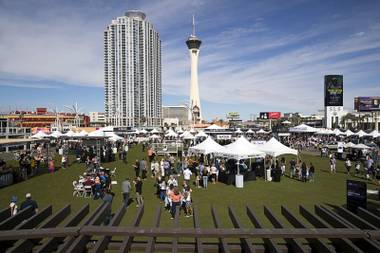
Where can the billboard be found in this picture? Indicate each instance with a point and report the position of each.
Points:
(367, 104)
(334, 90)
(270, 115)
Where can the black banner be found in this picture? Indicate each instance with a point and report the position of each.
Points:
(334, 90)
(356, 195)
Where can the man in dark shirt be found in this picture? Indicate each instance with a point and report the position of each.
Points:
(139, 198)
(29, 202)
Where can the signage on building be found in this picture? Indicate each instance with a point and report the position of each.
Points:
(334, 90)
(270, 115)
(223, 137)
(367, 104)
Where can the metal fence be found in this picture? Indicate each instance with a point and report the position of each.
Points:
(321, 230)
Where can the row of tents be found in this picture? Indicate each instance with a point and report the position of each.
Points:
(242, 149)
(323, 131)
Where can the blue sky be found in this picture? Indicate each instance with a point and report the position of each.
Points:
(256, 55)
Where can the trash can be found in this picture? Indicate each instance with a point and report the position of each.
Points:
(239, 181)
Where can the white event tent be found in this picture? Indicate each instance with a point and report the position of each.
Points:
(214, 127)
(69, 134)
(154, 137)
(201, 134)
(97, 133)
(171, 133)
(303, 129)
(55, 134)
(187, 136)
(338, 132)
(206, 147)
(262, 131)
(241, 149)
(250, 131)
(114, 137)
(348, 133)
(154, 131)
(39, 135)
(375, 133)
(275, 148)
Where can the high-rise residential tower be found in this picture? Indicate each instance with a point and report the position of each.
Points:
(132, 72)
(193, 43)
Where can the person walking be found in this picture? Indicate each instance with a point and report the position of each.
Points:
(126, 189)
(311, 172)
(333, 164)
(176, 199)
(348, 165)
(187, 175)
(136, 167)
(138, 185)
(205, 175)
(143, 168)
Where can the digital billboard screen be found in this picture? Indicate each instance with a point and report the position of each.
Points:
(367, 104)
(334, 90)
(270, 115)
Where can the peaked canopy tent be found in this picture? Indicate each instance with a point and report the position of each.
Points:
(241, 149)
(303, 129)
(143, 131)
(55, 134)
(338, 132)
(375, 133)
(39, 135)
(250, 131)
(69, 134)
(114, 137)
(262, 131)
(171, 133)
(348, 133)
(275, 148)
(361, 146)
(201, 134)
(154, 137)
(187, 136)
(349, 145)
(206, 147)
(155, 131)
(324, 131)
(361, 133)
(214, 127)
(97, 133)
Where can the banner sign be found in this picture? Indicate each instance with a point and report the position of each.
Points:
(334, 90)
(367, 104)
(223, 137)
(356, 195)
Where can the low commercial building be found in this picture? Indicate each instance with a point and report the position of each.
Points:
(175, 115)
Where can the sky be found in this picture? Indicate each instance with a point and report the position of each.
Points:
(256, 56)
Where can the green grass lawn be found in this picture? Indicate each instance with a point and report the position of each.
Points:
(56, 189)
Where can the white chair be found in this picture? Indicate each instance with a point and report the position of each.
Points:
(78, 189)
(113, 172)
(75, 189)
(87, 191)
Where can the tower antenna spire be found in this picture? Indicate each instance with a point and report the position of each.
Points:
(193, 26)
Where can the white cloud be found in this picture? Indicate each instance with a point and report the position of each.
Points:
(249, 62)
